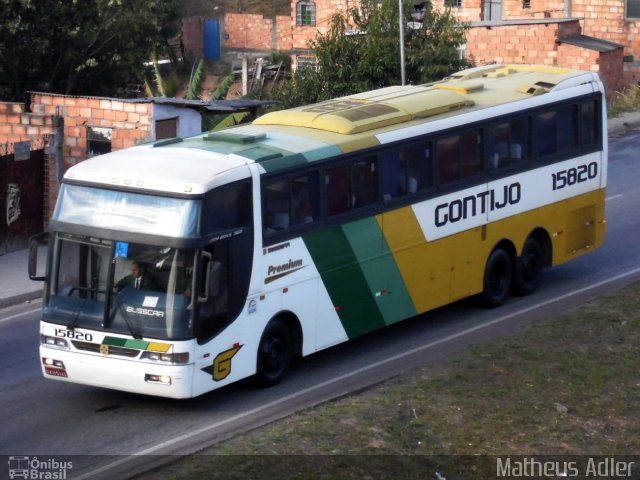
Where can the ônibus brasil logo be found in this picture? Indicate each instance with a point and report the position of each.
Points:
(38, 469)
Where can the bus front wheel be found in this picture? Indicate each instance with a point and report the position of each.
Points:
(528, 268)
(274, 354)
(497, 278)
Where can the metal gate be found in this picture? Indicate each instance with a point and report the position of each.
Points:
(21, 198)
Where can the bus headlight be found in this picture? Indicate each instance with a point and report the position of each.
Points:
(173, 358)
(53, 342)
(162, 379)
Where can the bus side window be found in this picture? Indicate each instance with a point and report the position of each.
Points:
(588, 123)
(275, 206)
(508, 143)
(227, 207)
(546, 134)
(304, 198)
(567, 121)
(350, 186)
(470, 153)
(392, 176)
(447, 156)
(338, 196)
(363, 183)
(417, 167)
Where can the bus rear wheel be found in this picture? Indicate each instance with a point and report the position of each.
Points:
(497, 278)
(274, 354)
(528, 268)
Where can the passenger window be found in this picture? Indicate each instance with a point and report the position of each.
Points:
(350, 186)
(557, 131)
(508, 144)
(459, 157)
(568, 128)
(289, 202)
(546, 135)
(589, 123)
(406, 171)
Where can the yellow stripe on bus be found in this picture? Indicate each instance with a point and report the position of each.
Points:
(159, 347)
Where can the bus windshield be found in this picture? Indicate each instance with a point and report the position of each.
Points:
(127, 211)
(133, 289)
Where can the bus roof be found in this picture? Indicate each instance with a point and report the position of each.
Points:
(288, 138)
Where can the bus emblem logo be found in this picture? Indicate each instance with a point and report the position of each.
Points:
(222, 363)
(104, 349)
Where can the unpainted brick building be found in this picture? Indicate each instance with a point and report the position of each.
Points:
(595, 35)
(74, 128)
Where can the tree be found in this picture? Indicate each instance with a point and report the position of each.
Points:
(82, 47)
(369, 57)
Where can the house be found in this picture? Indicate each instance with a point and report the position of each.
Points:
(69, 129)
(596, 35)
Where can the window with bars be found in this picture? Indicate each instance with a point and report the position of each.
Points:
(453, 3)
(306, 61)
(526, 4)
(98, 140)
(305, 13)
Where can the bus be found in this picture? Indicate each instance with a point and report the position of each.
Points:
(308, 227)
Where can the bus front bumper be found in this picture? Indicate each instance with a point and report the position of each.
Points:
(171, 381)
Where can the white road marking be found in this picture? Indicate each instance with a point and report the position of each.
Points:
(17, 315)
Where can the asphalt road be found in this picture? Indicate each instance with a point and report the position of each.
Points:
(58, 420)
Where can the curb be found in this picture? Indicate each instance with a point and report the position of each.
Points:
(21, 298)
(619, 125)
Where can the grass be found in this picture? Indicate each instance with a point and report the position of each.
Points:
(624, 101)
(569, 386)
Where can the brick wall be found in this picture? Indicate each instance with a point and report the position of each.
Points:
(605, 19)
(514, 44)
(193, 35)
(130, 121)
(539, 44)
(16, 125)
(255, 31)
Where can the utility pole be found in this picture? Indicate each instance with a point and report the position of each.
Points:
(403, 76)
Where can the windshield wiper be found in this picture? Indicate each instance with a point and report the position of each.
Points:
(125, 316)
(74, 321)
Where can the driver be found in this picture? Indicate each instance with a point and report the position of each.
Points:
(139, 278)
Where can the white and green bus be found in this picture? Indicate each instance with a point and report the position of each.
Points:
(315, 225)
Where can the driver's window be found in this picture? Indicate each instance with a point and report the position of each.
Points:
(213, 302)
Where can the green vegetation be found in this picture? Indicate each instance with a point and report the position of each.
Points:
(626, 100)
(567, 386)
(92, 47)
(369, 57)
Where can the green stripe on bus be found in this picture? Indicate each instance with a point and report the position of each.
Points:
(114, 341)
(383, 276)
(139, 344)
(344, 280)
(282, 162)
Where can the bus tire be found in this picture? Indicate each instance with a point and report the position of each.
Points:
(527, 270)
(274, 354)
(498, 274)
